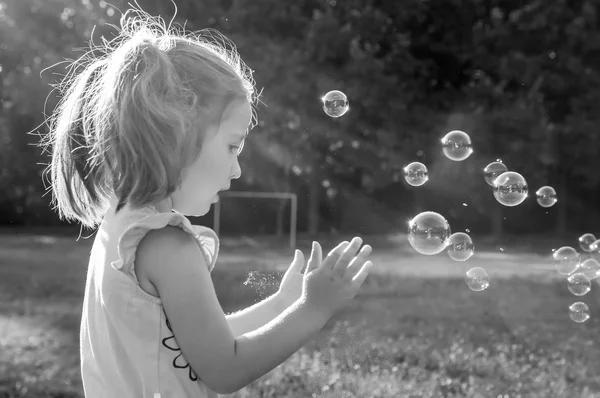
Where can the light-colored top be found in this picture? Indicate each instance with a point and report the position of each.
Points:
(127, 346)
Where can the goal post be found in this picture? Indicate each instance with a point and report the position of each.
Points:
(261, 195)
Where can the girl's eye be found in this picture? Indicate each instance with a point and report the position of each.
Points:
(234, 149)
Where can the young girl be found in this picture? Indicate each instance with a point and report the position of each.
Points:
(145, 134)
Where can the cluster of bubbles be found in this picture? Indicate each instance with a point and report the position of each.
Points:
(429, 233)
(580, 270)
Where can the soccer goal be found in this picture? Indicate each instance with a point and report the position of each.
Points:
(261, 195)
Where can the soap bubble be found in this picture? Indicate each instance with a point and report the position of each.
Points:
(416, 174)
(457, 145)
(546, 196)
(586, 242)
(590, 268)
(477, 279)
(566, 260)
(460, 246)
(492, 171)
(579, 312)
(510, 188)
(578, 284)
(595, 247)
(335, 103)
(428, 233)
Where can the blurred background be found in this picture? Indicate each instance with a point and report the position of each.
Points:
(521, 77)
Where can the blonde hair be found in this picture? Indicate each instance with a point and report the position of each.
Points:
(135, 116)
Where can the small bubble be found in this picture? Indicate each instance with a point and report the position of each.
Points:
(335, 104)
(546, 196)
(477, 279)
(460, 247)
(578, 284)
(566, 260)
(416, 174)
(428, 233)
(586, 242)
(493, 170)
(579, 312)
(590, 268)
(510, 189)
(456, 145)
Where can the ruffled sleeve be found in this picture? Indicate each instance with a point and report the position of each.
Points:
(128, 242)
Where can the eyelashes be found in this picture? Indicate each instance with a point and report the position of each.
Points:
(238, 148)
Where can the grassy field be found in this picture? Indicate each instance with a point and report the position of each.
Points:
(415, 330)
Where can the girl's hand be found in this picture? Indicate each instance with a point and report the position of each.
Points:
(290, 288)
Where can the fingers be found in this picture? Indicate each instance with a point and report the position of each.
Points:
(357, 262)
(339, 268)
(362, 274)
(298, 262)
(315, 257)
(334, 255)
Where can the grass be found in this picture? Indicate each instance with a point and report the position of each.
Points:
(415, 330)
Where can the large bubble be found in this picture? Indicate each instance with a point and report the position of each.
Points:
(510, 189)
(428, 233)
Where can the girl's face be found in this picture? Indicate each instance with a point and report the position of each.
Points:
(216, 165)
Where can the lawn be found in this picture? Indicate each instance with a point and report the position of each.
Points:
(415, 330)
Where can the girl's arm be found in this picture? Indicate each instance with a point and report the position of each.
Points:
(225, 363)
(257, 315)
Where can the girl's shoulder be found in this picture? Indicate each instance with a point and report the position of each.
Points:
(147, 220)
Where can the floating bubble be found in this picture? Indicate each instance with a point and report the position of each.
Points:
(428, 233)
(477, 279)
(586, 242)
(590, 268)
(566, 260)
(595, 247)
(457, 145)
(510, 188)
(546, 196)
(460, 246)
(579, 312)
(335, 103)
(416, 174)
(493, 170)
(578, 284)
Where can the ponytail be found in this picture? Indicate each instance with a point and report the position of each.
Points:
(134, 119)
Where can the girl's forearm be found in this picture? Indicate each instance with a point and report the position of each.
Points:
(257, 315)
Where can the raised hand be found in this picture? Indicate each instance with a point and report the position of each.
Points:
(331, 283)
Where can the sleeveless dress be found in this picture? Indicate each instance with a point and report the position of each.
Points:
(127, 348)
